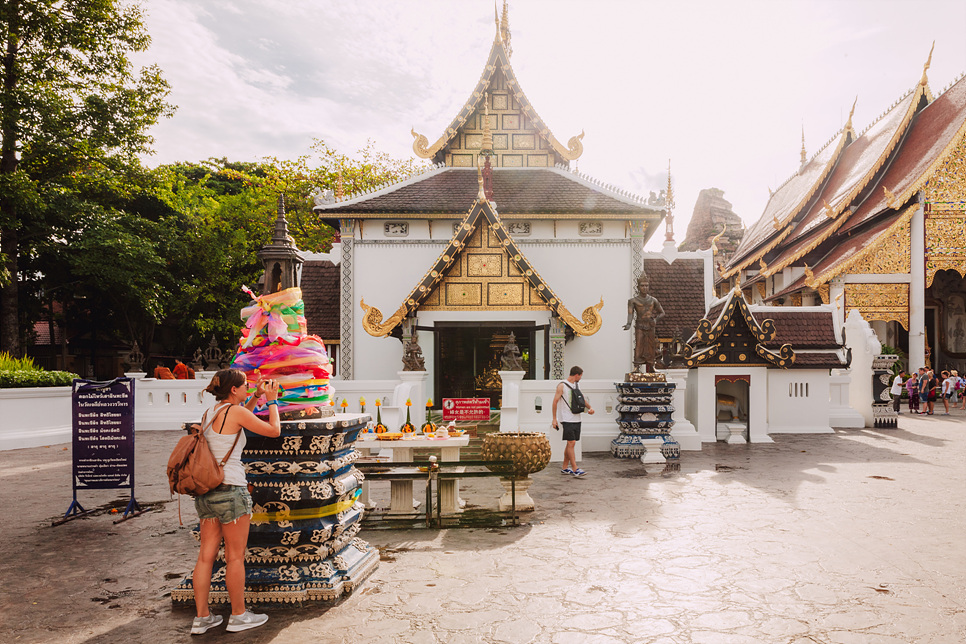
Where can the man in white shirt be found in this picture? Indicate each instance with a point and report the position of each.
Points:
(569, 419)
(896, 391)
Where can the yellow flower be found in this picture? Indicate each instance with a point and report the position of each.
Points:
(429, 403)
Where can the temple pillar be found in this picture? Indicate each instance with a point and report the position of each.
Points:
(557, 337)
(917, 289)
(347, 310)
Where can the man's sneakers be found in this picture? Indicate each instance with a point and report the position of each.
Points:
(246, 620)
(578, 473)
(567, 471)
(200, 625)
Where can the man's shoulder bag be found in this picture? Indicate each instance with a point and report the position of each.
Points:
(576, 403)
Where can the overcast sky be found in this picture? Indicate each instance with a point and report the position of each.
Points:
(721, 88)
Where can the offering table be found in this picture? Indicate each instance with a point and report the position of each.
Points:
(401, 492)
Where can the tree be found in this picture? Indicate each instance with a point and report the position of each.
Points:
(70, 102)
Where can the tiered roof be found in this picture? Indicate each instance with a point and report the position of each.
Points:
(866, 196)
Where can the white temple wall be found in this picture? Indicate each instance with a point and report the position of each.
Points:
(798, 401)
(581, 274)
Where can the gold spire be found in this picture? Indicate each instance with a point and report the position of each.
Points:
(803, 144)
(505, 30)
(496, 19)
(848, 125)
(924, 80)
(486, 148)
(339, 192)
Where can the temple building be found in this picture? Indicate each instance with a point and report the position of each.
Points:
(874, 222)
(499, 235)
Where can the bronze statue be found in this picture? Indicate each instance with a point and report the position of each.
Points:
(511, 355)
(413, 356)
(648, 311)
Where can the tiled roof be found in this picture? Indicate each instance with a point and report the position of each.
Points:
(679, 287)
(803, 329)
(320, 294)
(524, 191)
(936, 128)
(816, 360)
(859, 160)
(790, 197)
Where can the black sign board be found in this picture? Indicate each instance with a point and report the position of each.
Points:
(103, 438)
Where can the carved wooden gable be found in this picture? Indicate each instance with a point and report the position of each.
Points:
(483, 277)
(736, 338)
(481, 269)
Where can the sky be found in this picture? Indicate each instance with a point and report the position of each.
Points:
(722, 90)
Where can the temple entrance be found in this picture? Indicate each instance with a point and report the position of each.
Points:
(468, 357)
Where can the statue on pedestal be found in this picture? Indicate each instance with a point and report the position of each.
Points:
(648, 311)
(511, 355)
(413, 356)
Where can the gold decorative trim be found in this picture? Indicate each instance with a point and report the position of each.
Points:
(590, 322)
(894, 241)
(884, 302)
(372, 319)
(945, 243)
(823, 292)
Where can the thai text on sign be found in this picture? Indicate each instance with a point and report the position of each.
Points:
(466, 409)
(103, 420)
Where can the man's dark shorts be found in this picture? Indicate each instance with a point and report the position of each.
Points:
(571, 431)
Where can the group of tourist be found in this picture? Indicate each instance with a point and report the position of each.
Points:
(924, 388)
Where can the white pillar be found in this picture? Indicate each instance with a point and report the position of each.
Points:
(917, 290)
(510, 405)
(865, 346)
(683, 431)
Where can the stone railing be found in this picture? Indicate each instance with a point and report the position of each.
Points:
(526, 408)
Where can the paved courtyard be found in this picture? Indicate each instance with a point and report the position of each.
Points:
(852, 537)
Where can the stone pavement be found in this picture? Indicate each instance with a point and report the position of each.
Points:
(852, 537)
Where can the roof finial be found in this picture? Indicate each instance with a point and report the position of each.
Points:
(505, 30)
(669, 208)
(848, 125)
(339, 191)
(481, 194)
(803, 144)
(486, 147)
(714, 240)
(496, 19)
(924, 80)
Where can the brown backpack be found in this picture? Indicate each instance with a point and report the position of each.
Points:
(192, 468)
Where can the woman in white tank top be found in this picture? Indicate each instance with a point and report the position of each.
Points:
(225, 512)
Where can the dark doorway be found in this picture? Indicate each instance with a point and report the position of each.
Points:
(468, 357)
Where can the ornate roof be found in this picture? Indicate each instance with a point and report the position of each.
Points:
(788, 201)
(858, 186)
(533, 192)
(519, 285)
(497, 64)
(736, 338)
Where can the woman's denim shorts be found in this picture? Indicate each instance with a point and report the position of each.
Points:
(227, 503)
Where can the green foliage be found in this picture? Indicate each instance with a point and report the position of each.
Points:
(10, 363)
(19, 379)
(72, 111)
(22, 372)
(899, 365)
